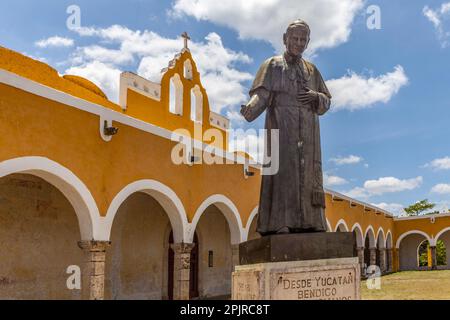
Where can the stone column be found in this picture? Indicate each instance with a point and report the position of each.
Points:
(182, 270)
(373, 256)
(234, 255)
(389, 260)
(382, 266)
(93, 271)
(360, 252)
(433, 258)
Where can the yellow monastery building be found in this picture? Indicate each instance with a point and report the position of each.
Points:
(74, 191)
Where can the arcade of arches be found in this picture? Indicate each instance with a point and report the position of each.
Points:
(131, 223)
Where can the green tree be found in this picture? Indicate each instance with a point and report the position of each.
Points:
(423, 254)
(441, 255)
(417, 208)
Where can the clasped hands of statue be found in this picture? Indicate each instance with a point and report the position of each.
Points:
(309, 96)
(305, 97)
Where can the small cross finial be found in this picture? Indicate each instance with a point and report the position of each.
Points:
(186, 38)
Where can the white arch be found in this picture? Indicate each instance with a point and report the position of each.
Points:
(329, 226)
(252, 216)
(341, 222)
(389, 242)
(196, 104)
(372, 242)
(165, 196)
(176, 95)
(68, 183)
(383, 238)
(229, 210)
(359, 243)
(441, 233)
(399, 240)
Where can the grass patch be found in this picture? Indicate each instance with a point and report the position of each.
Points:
(411, 285)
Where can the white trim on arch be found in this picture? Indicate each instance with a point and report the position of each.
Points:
(441, 233)
(361, 239)
(165, 196)
(341, 222)
(372, 241)
(391, 242)
(229, 210)
(250, 219)
(65, 181)
(402, 236)
(330, 229)
(383, 239)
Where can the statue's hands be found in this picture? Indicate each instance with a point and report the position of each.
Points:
(308, 97)
(246, 111)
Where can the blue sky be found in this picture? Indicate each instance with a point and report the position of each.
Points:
(387, 145)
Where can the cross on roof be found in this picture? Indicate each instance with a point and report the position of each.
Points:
(186, 38)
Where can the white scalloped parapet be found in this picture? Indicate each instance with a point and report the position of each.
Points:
(219, 121)
(129, 80)
(173, 62)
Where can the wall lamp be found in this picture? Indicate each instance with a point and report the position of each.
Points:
(109, 131)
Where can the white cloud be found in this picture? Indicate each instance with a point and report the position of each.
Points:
(235, 117)
(432, 16)
(391, 184)
(103, 75)
(98, 53)
(441, 188)
(439, 164)
(357, 193)
(353, 91)
(330, 20)
(216, 63)
(437, 18)
(442, 206)
(55, 42)
(384, 185)
(331, 181)
(346, 160)
(395, 208)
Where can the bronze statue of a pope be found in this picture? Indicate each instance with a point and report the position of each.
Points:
(294, 94)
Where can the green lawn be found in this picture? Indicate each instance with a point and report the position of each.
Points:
(411, 285)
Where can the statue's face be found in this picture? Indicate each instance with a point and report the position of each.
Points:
(296, 41)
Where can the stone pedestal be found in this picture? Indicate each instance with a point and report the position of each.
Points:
(182, 269)
(298, 247)
(93, 274)
(306, 266)
(331, 279)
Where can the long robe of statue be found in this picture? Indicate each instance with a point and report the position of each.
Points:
(294, 197)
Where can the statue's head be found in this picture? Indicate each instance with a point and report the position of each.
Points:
(296, 38)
